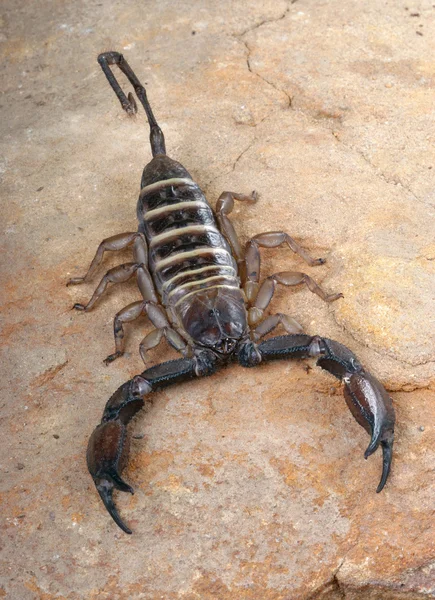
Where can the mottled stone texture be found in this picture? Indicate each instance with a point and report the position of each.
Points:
(250, 485)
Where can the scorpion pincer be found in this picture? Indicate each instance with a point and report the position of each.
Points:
(202, 293)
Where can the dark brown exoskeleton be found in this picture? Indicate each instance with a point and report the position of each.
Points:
(203, 294)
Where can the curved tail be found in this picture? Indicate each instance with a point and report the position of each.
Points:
(106, 59)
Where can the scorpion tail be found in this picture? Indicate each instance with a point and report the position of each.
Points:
(106, 59)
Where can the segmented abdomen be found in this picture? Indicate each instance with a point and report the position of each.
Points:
(187, 252)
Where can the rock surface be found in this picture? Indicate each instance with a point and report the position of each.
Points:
(251, 484)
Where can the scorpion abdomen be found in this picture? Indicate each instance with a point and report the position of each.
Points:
(187, 252)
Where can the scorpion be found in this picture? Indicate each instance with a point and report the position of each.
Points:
(202, 293)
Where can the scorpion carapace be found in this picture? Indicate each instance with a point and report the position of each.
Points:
(202, 293)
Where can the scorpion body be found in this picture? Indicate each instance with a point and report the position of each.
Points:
(202, 293)
(193, 269)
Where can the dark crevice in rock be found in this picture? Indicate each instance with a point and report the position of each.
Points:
(328, 591)
(267, 21)
(409, 388)
(268, 81)
(338, 587)
(332, 588)
(248, 57)
(241, 154)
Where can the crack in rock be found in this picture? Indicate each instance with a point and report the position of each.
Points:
(338, 587)
(249, 51)
(290, 99)
(377, 172)
(241, 154)
(333, 584)
(234, 166)
(267, 21)
(270, 83)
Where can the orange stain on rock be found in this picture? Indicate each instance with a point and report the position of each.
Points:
(318, 477)
(77, 517)
(33, 587)
(206, 470)
(172, 483)
(48, 375)
(9, 330)
(151, 464)
(66, 502)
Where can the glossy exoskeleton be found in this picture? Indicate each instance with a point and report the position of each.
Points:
(202, 293)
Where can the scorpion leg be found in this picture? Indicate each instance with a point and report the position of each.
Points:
(365, 396)
(134, 310)
(156, 315)
(273, 239)
(118, 274)
(253, 260)
(116, 242)
(154, 338)
(108, 445)
(126, 315)
(288, 278)
(271, 322)
(144, 280)
(122, 273)
(224, 207)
